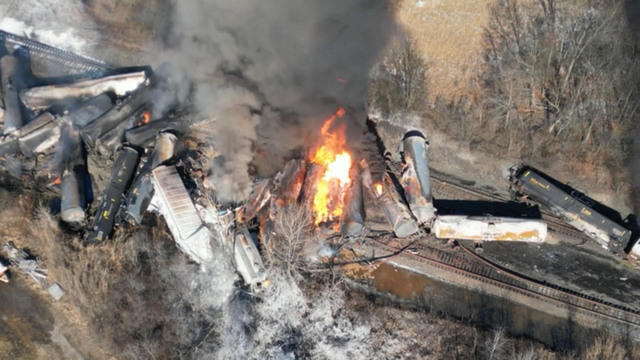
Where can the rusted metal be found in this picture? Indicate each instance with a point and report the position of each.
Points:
(289, 182)
(415, 177)
(258, 199)
(312, 176)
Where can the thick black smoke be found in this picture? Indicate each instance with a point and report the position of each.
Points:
(250, 58)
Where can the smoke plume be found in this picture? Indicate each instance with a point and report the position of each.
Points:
(297, 60)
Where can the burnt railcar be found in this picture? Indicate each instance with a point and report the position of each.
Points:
(526, 182)
(415, 176)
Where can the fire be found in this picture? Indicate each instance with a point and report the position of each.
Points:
(328, 201)
(146, 118)
(378, 188)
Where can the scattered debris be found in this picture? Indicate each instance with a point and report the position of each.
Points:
(55, 291)
(25, 262)
(3, 273)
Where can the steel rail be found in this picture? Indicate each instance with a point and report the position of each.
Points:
(484, 271)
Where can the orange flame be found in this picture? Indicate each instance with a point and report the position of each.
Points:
(146, 117)
(328, 200)
(378, 188)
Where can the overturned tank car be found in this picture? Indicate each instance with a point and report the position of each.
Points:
(528, 183)
(415, 176)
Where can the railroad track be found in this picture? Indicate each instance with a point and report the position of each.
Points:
(476, 267)
(65, 58)
(554, 223)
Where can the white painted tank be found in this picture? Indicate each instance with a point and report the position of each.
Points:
(490, 228)
(248, 261)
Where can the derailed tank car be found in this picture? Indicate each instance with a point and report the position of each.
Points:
(529, 183)
(248, 261)
(415, 177)
(489, 228)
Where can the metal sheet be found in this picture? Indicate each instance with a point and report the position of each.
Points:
(395, 210)
(177, 208)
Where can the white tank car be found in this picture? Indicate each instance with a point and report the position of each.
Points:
(175, 205)
(490, 228)
(248, 261)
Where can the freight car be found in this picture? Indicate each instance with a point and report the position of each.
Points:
(248, 261)
(178, 210)
(527, 183)
(489, 228)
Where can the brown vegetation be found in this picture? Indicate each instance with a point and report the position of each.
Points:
(131, 24)
(558, 85)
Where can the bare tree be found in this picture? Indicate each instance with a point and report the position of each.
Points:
(495, 345)
(400, 82)
(293, 229)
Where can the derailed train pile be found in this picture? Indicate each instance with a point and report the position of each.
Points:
(408, 206)
(53, 124)
(60, 110)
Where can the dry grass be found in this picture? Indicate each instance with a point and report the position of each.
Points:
(132, 24)
(448, 34)
(122, 298)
